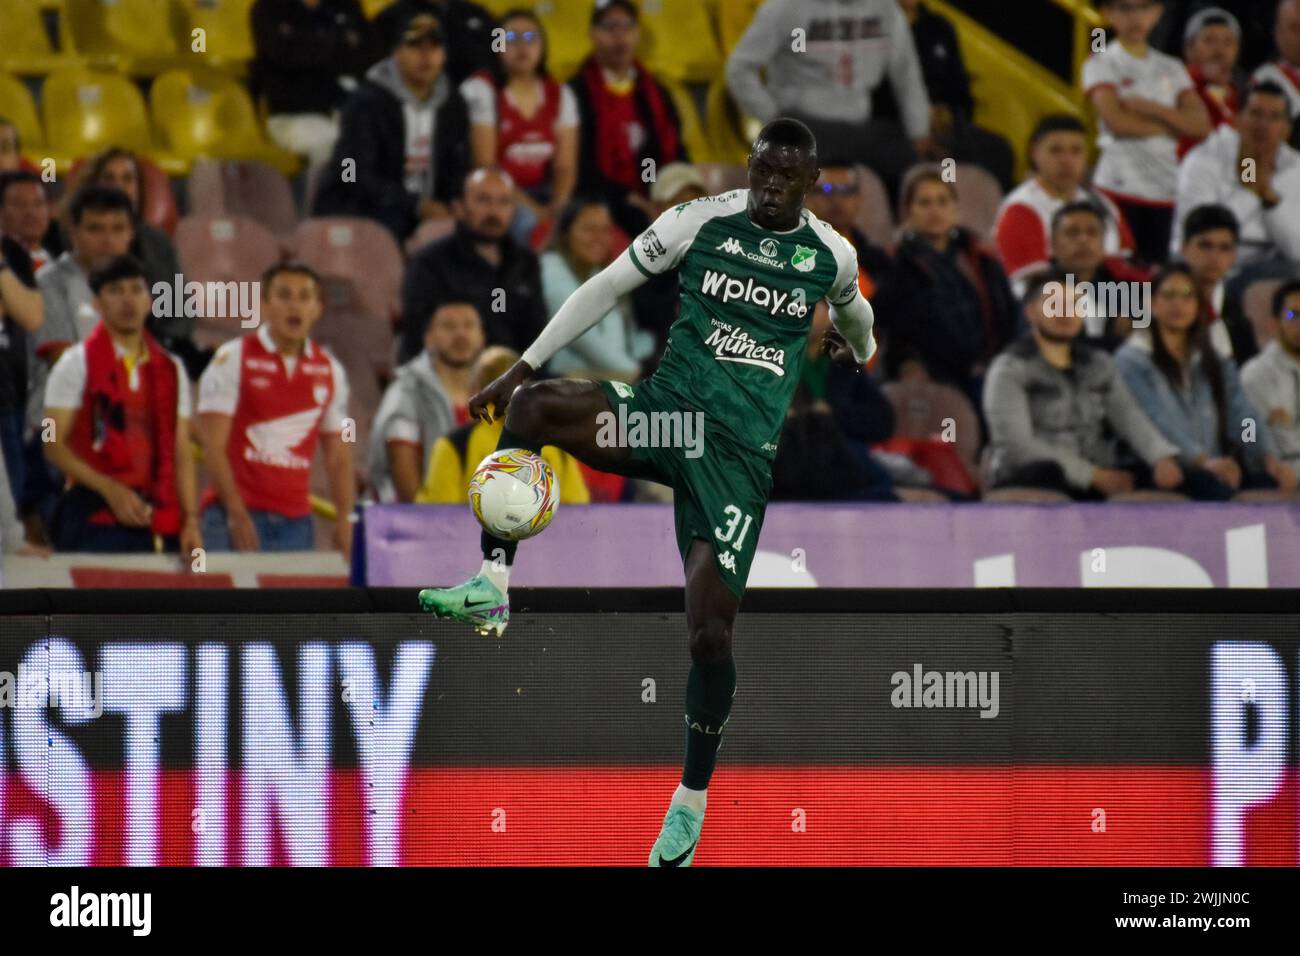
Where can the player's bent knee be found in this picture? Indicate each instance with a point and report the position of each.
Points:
(710, 641)
(526, 414)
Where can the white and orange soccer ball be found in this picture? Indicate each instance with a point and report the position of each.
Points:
(514, 494)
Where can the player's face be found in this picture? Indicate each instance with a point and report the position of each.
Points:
(455, 335)
(1176, 303)
(102, 235)
(25, 213)
(836, 198)
(1211, 255)
(292, 305)
(121, 174)
(124, 305)
(933, 210)
(1214, 49)
(1288, 326)
(1060, 158)
(779, 178)
(1078, 243)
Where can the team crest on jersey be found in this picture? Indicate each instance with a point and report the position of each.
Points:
(320, 393)
(622, 389)
(804, 259)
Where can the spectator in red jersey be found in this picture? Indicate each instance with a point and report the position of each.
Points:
(1078, 251)
(627, 117)
(1210, 236)
(950, 309)
(265, 401)
(1285, 70)
(429, 396)
(522, 120)
(119, 408)
(1211, 46)
(1058, 160)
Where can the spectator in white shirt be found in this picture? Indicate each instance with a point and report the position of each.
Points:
(1253, 172)
(1272, 378)
(1285, 70)
(1145, 102)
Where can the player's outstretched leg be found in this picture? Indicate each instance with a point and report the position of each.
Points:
(559, 412)
(710, 617)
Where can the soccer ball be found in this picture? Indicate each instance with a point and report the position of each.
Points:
(514, 494)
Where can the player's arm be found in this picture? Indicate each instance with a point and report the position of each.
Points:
(851, 313)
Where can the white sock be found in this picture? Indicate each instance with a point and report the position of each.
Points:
(695, 799)
(497, 574)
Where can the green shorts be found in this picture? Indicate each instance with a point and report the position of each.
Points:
(720, 491)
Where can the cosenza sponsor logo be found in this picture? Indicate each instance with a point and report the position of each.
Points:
(719, 285)
(768, 249)
(731, 344)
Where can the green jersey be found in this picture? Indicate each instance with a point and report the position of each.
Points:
(736, 351)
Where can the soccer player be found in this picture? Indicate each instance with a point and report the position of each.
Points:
(752, 265)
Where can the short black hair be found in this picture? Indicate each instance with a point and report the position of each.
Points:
(96, 198)
(786, 131)
(1284, 291)
(603, 7)
(1079, 205)
(290, 267)
(1037, 282)
(1208, 218)
(115, 270)
(1056, 123)
(17, 176)
(1269, 88)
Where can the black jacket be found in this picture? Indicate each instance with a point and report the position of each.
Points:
(13, 337)
(468, 28)
(372, 134)
(301, 53)
(450, 269)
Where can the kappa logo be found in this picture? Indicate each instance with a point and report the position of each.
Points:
(768, 249)
(804, 259)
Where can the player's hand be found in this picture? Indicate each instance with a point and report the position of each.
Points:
(834, 345)
(494, 399)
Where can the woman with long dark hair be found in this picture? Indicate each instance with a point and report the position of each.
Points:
(1194, 396)
(522, 120)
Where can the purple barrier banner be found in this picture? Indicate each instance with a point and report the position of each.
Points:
(878, 546)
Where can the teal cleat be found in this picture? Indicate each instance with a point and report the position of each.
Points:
(679, 837)
(478, 601)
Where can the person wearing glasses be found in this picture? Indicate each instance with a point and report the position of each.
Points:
(1194, 397)
(526, 123)
(630, 128)
(836, 199)
(1272, 378)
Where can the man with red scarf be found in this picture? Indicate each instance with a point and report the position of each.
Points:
(627, 117)
(117, 410)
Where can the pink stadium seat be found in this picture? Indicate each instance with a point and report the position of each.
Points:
(243, 188)
(1257, 302)
(978, 199)
(359, 250)
(874, 217)
(920, 410)
(428, 231)
(223, 250)
(159, 203)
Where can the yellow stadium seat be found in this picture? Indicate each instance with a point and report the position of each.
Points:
(209, 115)
(498, 7)
(372, 8)
(226, 42)
(697, 143)
(89, 110)
(135, 36)
(678, 42)
(566, 23)
(733, 19)
(18, 107)
(727, 125)
(25, 46)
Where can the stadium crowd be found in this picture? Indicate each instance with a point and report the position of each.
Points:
(1131, 327)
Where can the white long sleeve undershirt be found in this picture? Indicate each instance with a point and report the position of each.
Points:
(854, 321)
(589, 303)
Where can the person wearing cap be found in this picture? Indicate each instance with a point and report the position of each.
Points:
(522, 120)
(1211, 47)
(1266, 202)
(630, 127)
(1285, 70)
(468, 27)
(403, 146)
(303, 50)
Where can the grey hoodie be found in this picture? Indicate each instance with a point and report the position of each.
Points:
(416, 397)
(421, 118)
